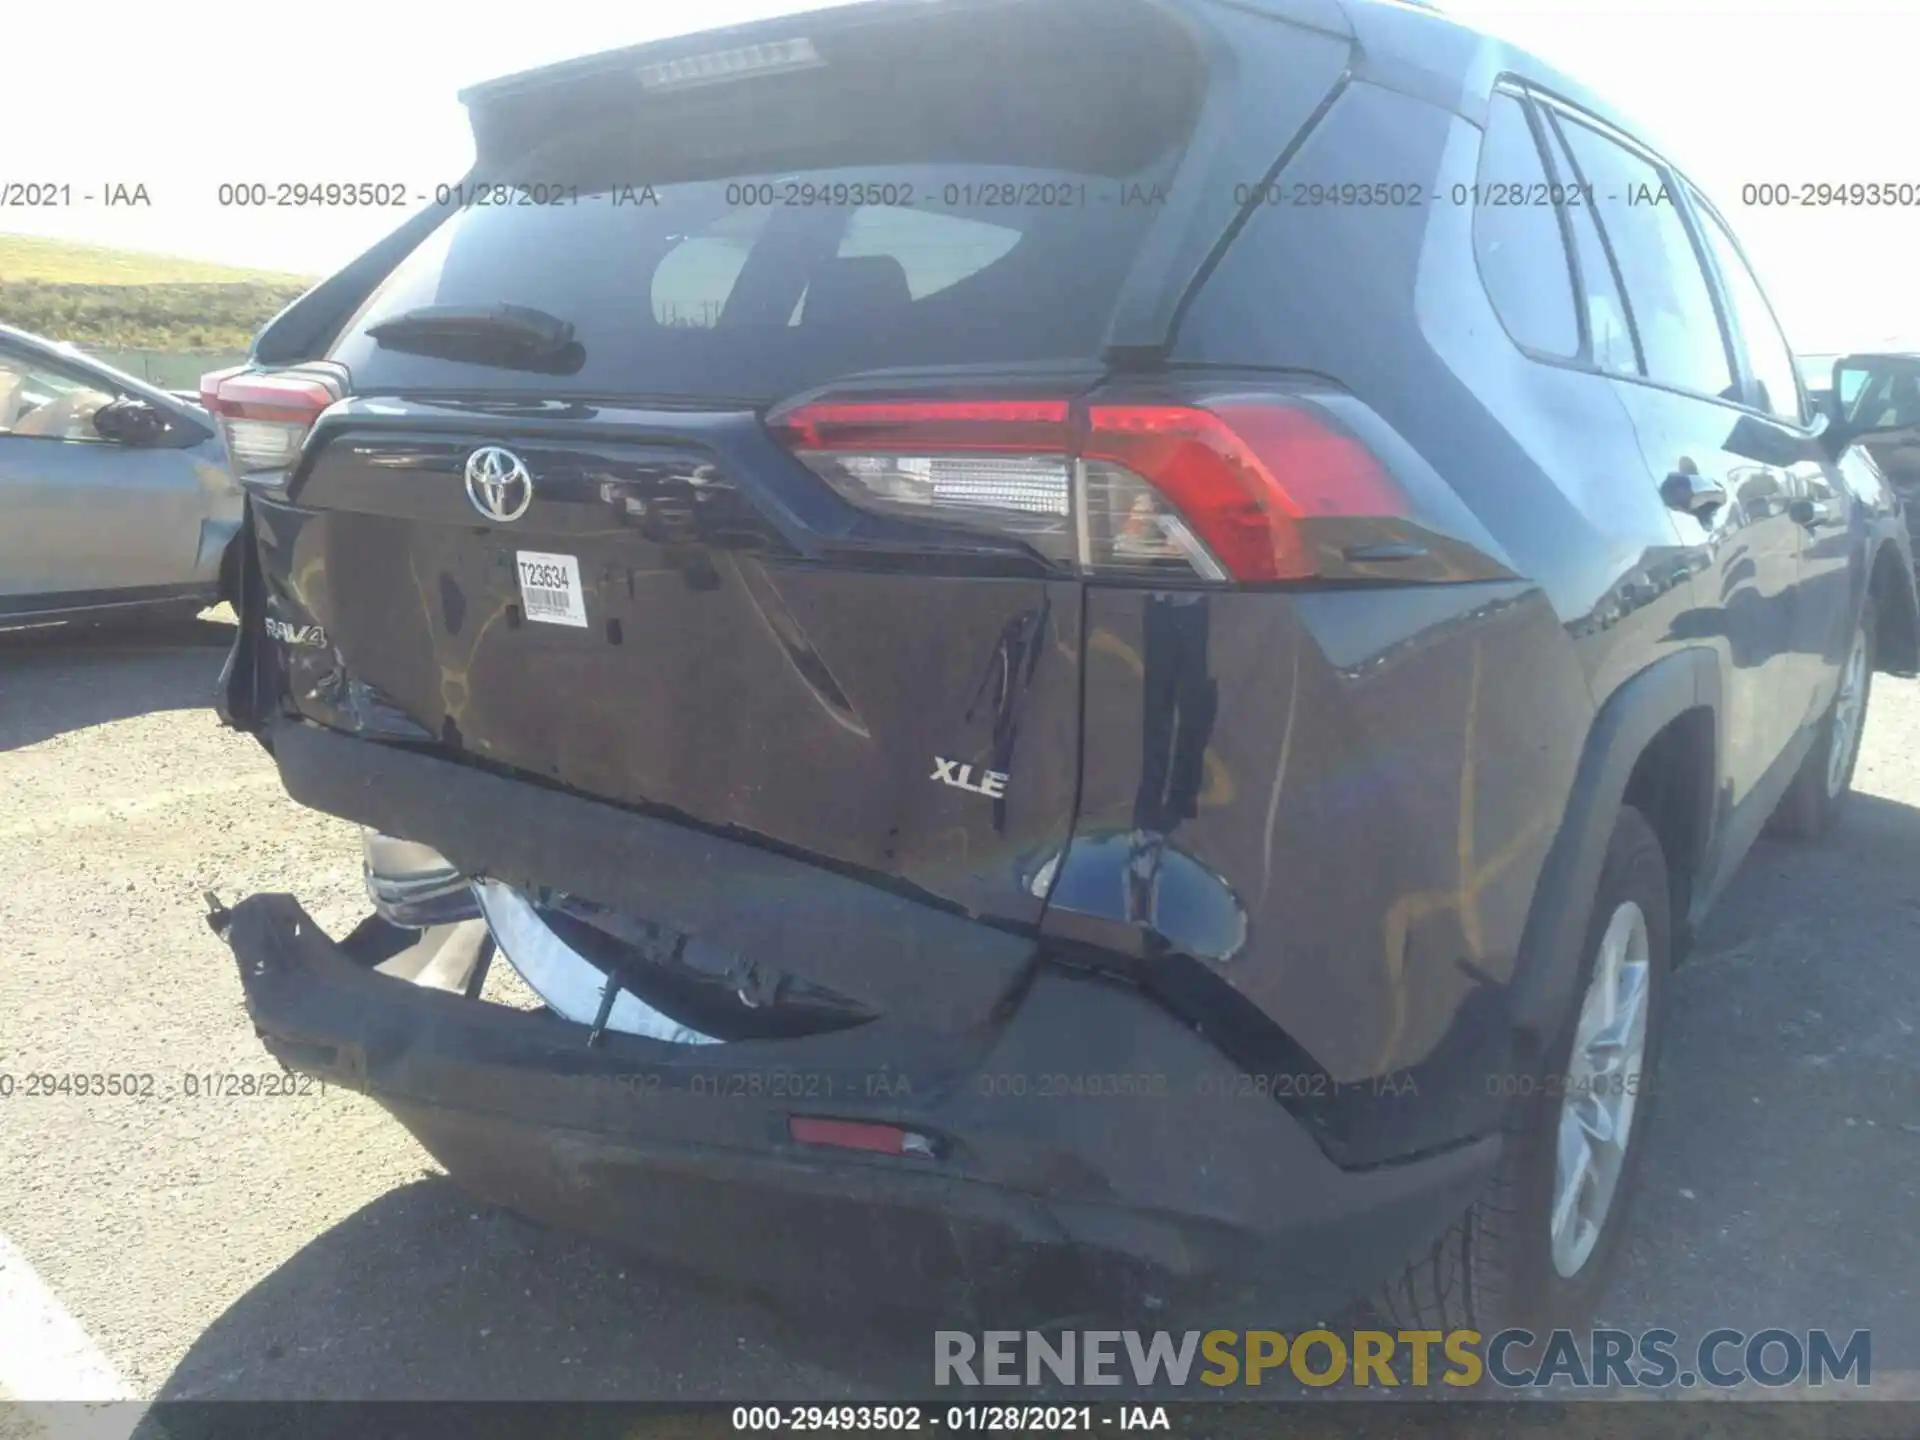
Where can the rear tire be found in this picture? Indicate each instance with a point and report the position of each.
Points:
(1506, 1262)
(1820, 788)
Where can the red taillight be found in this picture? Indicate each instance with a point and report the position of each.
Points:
(1215, 491)
(1242, 474)
(211, 382)
(870, 426)
(265, 416)
(250, 396)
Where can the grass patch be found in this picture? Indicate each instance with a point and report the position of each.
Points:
(63, 262)
(145, 317)
(121, 299)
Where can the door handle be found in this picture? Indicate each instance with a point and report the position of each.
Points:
(1811, 513)
(1692, 493)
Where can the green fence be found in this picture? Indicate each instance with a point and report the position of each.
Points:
(170, 370)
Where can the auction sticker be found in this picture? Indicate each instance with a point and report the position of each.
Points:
(550, 589)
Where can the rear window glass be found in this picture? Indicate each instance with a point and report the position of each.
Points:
(986, 213)
(690, 293)
(933, 251)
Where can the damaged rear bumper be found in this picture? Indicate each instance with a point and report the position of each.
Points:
(1087, 1124)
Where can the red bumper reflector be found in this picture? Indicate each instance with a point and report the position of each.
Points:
(859, 1135)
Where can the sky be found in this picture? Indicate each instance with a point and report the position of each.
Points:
(182, 100)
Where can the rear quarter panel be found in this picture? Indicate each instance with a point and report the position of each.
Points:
(1391, 766)
(1376, 790)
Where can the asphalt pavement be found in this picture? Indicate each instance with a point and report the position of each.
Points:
(213, 1246)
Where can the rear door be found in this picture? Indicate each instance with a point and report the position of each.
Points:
(1830, 585)
(599, 567)
(1688, 408)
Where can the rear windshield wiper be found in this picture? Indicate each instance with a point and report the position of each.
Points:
(518, 337)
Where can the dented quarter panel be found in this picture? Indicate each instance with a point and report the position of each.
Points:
(1296, 754)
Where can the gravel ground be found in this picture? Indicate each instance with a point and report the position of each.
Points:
(306, 1247)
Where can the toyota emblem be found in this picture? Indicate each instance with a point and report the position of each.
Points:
(498, 484)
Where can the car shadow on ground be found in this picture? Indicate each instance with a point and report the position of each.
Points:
(427, 1293)
(80, 678)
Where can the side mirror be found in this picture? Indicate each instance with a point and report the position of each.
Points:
(1876, 394)
(130, 422)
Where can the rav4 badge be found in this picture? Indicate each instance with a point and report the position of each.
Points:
(991, 783)
(297, 634)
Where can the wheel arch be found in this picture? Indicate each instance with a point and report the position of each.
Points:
(1654, 743)
(1896, 612)
(230, 559)
(1672, 784)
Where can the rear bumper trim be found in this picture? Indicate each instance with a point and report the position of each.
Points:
(687, 1151)
(889, 953)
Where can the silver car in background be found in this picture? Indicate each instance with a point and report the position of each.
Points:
(115, 497)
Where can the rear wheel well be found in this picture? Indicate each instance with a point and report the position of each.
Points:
(1896, 615)
(1672, 786)
(230, 572)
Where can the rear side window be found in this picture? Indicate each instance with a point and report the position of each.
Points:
(1516, 236)
(936, 197)
(1768, 355)
(1667, 291)
(1607, 323)
(1609, 327)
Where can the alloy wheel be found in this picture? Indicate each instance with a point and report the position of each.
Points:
(1602, 1084)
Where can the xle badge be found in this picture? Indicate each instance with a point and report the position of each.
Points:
(991, 783)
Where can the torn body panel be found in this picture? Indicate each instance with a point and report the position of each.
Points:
(884, 951)
(1149, 1170)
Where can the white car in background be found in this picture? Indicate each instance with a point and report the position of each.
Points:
(116, 500)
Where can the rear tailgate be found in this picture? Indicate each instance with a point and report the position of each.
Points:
(718, 671)
(600, 569)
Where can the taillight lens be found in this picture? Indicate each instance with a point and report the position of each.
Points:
(1215, 490)
(1243, 474)
(265, 417)
(1004, 465)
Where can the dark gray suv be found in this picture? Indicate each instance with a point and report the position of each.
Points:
(1121, 630)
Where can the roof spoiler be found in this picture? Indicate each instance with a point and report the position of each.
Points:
(682, 47)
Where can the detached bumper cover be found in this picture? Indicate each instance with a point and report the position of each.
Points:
(1090, 1123)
